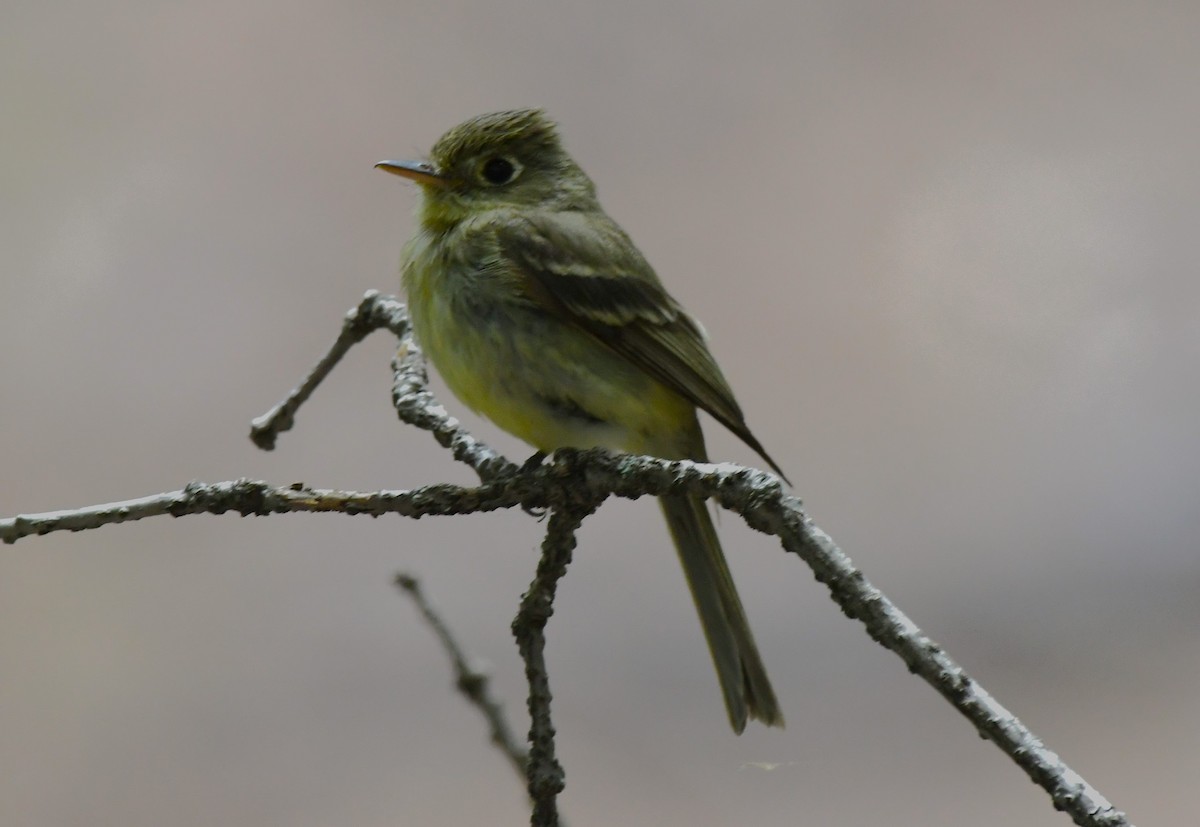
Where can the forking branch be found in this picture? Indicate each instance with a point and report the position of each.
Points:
(571, 486)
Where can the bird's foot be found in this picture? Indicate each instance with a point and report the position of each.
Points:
(528, 467)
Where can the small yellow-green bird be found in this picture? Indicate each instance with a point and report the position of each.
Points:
(541, 314)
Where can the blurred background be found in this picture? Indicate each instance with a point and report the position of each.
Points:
(946, 254)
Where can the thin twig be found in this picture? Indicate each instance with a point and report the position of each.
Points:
(470, 681)
(414, 404)
(373, 312)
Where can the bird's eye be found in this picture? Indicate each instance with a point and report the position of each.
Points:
(497, 170)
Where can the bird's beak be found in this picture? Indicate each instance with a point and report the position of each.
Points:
(419, 171)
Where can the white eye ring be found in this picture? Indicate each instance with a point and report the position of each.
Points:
(498, 170)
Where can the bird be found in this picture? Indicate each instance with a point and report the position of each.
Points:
(539, 312)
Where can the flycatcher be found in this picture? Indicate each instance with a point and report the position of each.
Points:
(541, 315)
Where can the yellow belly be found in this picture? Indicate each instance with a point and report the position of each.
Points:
(538, 377)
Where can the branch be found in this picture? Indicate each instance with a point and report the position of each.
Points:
(414, 404)
(760, 499)
(251, 497)
(470, 681)
(546, 777)
(572, 486)
(373, 312)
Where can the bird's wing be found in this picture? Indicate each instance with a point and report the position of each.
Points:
(584, 269)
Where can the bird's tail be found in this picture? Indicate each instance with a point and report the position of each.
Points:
(744, 682)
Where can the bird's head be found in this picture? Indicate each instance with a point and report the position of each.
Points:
(502, 160)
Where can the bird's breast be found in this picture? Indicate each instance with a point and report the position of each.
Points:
(534, 374)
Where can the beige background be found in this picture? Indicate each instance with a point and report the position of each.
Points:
(947, 255)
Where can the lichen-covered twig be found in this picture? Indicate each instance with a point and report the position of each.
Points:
(546, 777)
(572, 485)
(410, 393)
